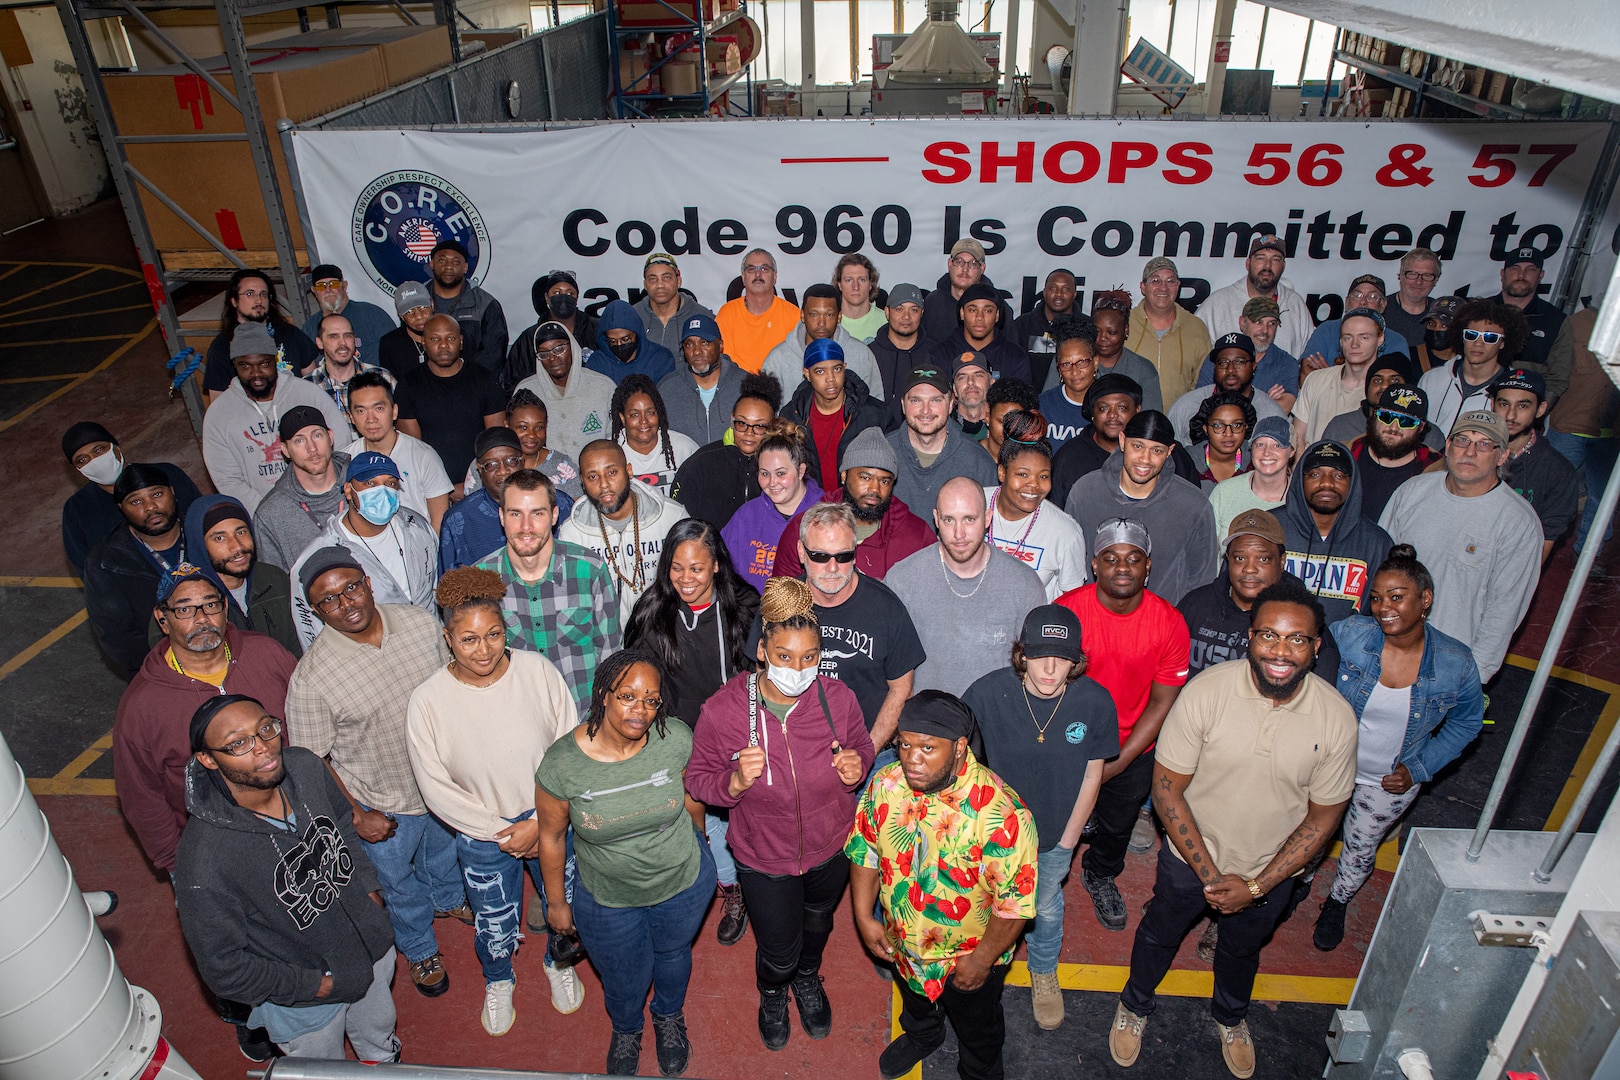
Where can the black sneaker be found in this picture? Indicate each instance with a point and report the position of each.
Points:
(1106, 899)
(1329, 926)
(734, 916)
(624, 1053)
(773, 1021)
(255, 1043)
(901, 1056)
(674, 1048)
(815, 1011)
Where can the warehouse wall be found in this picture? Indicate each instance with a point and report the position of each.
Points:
(52, 117)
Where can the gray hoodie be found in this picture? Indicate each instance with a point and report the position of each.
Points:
(240, 446)
(703, 424)
(418, 545)
(289, 517)
(668, 334)
(1177, 516)
(918, 487)
(578, 412)
(628, 563)
(786, 361)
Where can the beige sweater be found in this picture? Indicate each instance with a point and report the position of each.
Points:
(475, 750)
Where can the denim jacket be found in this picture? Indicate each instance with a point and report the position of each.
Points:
(1448, 704)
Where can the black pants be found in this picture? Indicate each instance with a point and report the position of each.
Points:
(981, 1029)
(1118, 802)
(792, 917)
(1178, 903)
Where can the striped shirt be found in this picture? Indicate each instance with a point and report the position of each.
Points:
(570, 616)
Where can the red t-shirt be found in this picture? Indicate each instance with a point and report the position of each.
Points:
(1127, 654)
(826, 429)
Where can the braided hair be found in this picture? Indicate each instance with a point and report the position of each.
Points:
(610, 673)
(629, 388)
(788, 604)
(524, 398)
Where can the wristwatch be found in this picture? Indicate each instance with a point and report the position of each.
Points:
(1254, 891)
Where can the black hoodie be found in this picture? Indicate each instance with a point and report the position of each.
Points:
(860, 412)
(942, 314)
(266, 911)
(1339, 567)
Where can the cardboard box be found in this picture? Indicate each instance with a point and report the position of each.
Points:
(632, 13)
(681, 77)
(633, 66)
(407, 52)
(1500, 86)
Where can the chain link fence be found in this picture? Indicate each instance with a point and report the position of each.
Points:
(557, 74)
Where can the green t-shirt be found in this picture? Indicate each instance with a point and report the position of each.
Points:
(633, 839)
(865, 328)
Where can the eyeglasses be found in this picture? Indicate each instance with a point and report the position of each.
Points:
(1071, 365)
(328, 284)
(1271, 637)
(556, 352)
(252, 294)
(1413, 275)
(842, 558)
(352, 592)
(1489, 337)
(514, 462)
(759, 268)
(1229, 362)
(630, 701)
(186, 611)
(738, 424)
(268, 733)
(1221, 427)
(1396, 419)
(965, 261)
(1464, 445)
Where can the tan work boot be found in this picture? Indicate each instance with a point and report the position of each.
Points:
(1237, 1047)
(1047, 997)
(1125, 1037)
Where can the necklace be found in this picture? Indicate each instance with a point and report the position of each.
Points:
(638, 575)
(174, 661)
(948, 575)
(1040, 728)
(1028, 526)
(286, 811)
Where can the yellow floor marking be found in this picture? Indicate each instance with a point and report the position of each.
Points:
(40, 582)
(15, 269)
(72, 787)
(47, 288)
(70, 624)
(895, 1030)
(1310, 989)
(73, 768)
(41, 378)
(65, 300)
(1389, 854)
(1594, 742)
(10, 324)
(126, 271)
(60, 341)
(59, 391)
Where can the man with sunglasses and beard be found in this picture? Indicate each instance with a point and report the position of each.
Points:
(1242, 824)
(1393, 450)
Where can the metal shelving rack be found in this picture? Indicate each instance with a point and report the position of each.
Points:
(627, 102)
(1422, 88)
(128, 180)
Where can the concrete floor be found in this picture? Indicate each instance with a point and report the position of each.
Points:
(77, 341)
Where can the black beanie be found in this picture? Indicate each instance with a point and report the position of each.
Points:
(207, 711)
(84, 433)
(137, 476)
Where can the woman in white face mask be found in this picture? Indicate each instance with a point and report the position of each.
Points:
(786, 750)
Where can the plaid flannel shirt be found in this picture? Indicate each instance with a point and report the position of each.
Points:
(570, 616)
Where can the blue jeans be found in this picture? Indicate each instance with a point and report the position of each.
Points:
(1046, 936)
(636, 948)
(418, 872)
(494, 883)
(717, 826)
(1594, 459)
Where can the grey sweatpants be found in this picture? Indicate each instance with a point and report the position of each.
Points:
(369, 1024)
(1373, 813)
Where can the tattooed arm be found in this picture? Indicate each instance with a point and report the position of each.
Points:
(1231, 892)
(1170, 803)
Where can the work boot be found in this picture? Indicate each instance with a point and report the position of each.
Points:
(1329, 925)
(900, 1057)
(734, 915)
(624, 1054)
(1047, 998)
(255, 1043)
(1125, 1037)
(674, 1048)
(1105, 899)
(1237, 1047)
(463, 912)
(429, 975)
(773, 1021)
(815, 1011)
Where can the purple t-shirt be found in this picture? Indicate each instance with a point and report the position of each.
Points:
(753, 531)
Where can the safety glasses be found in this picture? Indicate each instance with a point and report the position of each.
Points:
(1396, 419)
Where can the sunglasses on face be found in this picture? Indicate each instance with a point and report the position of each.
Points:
(1489, 337)
(842, 558)
(1400, 420)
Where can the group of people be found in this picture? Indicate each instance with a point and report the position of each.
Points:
(887, 591)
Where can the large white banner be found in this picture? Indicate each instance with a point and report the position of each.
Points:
(1098, 197)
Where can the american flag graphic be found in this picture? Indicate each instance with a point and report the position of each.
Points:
(419, 236)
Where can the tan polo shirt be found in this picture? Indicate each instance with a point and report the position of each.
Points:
(1256, 765)
(1322, 396)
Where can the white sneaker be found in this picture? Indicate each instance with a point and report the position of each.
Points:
(498, 1012)
(567, 992)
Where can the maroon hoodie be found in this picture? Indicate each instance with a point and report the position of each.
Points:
(151, 734)
(798, 813)
(899, 534)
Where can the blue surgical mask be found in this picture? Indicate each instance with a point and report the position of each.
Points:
(378, 505)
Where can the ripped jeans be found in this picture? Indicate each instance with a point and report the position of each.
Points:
(494, 883)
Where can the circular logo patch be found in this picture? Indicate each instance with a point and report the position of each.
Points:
(1075, 732)
(400, 216)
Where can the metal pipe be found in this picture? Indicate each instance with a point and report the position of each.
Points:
(156, 31)
(179, 137)
(66, 1010)
(284, 127)
(1600, 768)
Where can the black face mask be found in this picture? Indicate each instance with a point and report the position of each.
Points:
(624, 350)
(562, 304)
(1435, 339)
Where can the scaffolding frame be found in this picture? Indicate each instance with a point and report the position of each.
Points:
(129, 181)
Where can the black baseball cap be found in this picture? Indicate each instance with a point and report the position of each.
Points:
(1051, 630)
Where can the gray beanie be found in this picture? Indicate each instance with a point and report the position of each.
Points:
(870, 450)
(252, 339)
